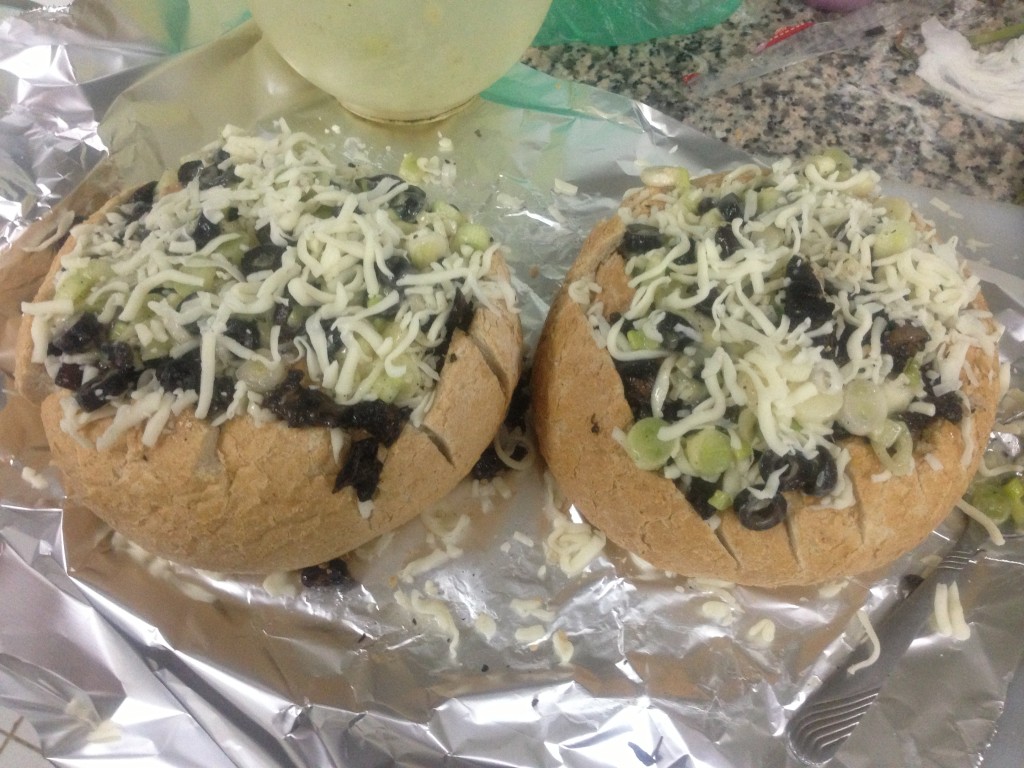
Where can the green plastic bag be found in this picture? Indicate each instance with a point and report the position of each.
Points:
(622, 22)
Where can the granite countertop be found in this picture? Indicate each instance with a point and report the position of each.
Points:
(866, 99)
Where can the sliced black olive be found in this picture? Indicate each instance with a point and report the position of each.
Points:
(840, 351)
(222, 397)
(637, 383)
(361, 470)
(119, 355)
(903, 340)
(791, 464)
(205, 231)
(816, 476)
(184, 372)
(188, 171)
(213, 175)
(99, 390)
(699, 493)
(407, 204)
(759, 514)
(333, 574)
(641, 238)
(519, 405)
(301, 406)
(335, 343)
(284, 316)
(949, 407)
(264, 235)
(804, 297)
(706, 204)
(916, 422)
(676, 333)
(384, 421)
(821, 475)
(139, 203)
(82, 333)
(399, 266)
(689, 256)
(488, 466)
(460, 318)
(706, 305)
(245, 332)
(676, 410)
(730, 207)
(69, 376)
(261, 258)
(726, 240)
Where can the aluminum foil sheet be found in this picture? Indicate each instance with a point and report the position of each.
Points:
(492, 631)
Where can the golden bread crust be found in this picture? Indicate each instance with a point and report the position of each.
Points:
(579, 401)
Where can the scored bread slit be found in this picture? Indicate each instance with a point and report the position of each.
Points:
(794, 547)
(720, 535)
(492, 362)
(439, 443)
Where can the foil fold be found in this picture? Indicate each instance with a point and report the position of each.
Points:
(112, 653)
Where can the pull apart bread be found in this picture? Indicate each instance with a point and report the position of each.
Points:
(772, 376)
(261, 361)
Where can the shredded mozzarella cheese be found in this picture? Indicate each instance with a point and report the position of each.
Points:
(876, 646)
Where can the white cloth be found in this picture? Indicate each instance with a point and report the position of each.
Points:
(992, 83)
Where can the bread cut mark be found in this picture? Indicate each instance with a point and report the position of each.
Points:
(469, 404)
(788, 524)
(763, 556)
(727, 546)
(439, 443)
(494, 335)
(822, 537)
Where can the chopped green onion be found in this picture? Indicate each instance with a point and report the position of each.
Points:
(475, 236)
(645, 447)
(709, 452)
(864, 408)
(638, 340)
(720, 500)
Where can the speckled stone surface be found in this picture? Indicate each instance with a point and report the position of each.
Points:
(866, 99)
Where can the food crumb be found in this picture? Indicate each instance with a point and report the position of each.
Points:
(523, 539)
(762, 633)
(832, 589)
(531, 635)
(718, 611)
(33, 478)
(563, 647)
(106, 731)
(485, 625)
(562, 187)
(281, 584)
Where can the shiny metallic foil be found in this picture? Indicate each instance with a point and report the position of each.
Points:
(111, 653)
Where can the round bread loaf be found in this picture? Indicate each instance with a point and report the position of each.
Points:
(772, 376)
(265, 362)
